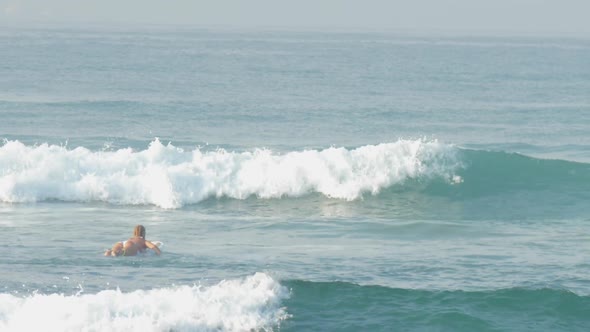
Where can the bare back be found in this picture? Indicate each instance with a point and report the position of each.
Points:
(137, 244)
(134, 245)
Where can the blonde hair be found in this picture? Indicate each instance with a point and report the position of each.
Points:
(139, 230)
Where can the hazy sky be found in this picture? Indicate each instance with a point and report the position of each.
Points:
(525, 16)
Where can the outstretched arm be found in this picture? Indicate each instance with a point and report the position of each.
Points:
(153, 247)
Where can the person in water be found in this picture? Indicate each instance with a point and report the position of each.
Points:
(136, 244)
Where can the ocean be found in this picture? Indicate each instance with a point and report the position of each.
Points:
(298, 180)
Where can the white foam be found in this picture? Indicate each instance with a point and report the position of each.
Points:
(253, 303)
(170, 177)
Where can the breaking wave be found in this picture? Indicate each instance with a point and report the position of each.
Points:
(249, 304)
(170, 177)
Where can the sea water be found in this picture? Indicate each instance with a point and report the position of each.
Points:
(300, 181)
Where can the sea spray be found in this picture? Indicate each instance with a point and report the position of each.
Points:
(170, 177)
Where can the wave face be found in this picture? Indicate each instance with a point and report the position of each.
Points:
(170, 177)
(485, 173)
(377, 308)
(253, 303)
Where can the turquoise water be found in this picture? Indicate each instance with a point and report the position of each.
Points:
(298, 180)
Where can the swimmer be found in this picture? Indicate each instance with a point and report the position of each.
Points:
(135, 244)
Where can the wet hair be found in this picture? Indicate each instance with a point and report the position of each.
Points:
(139, 230)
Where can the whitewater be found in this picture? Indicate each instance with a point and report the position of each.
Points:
(300, 181)
(169, 177)
(233, 305)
